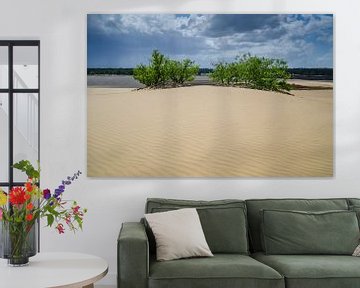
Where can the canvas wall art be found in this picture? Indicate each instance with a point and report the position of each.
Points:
(210, 95)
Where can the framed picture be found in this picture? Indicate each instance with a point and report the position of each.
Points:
(210, 95)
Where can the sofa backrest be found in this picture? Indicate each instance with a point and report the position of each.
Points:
(223, 221)
(353, 202)
(256, 205)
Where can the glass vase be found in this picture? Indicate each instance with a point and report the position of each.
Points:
(18, 242)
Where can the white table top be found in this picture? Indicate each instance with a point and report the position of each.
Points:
(45, 270)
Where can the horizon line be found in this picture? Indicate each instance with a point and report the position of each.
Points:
(207, 68)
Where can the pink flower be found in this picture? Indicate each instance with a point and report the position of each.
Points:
(68, 219)
(60, 228)
(1, 212)
(75, 210)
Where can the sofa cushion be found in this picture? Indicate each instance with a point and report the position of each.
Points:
(223, 221)
(314, 271)
(297, 232)
(356, 209)
(178, 234)
(354, 205)
(222, 270)
(353, 201)
(254, 216)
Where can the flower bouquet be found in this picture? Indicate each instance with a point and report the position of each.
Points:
(21, 208)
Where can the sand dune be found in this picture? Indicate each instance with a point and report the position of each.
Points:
(209, 131)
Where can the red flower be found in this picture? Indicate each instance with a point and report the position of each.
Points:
(29, 217)
(17, 196)
(60, 228)
(29, 186)
(27, 196)
(29, 206)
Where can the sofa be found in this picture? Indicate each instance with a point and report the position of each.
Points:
(235, 232)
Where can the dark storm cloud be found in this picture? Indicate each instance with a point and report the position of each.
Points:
(126, 40)
(228, 24)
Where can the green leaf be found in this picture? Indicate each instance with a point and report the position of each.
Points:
(26, 167)
(52, 211)
(50, 219)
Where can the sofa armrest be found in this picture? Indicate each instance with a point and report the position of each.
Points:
(133, 256)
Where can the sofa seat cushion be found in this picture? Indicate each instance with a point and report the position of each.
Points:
(315, 271)
(222, 270)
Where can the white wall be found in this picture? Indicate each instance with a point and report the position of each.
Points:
(61, 27)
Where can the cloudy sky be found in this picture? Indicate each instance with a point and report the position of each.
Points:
(126, 40)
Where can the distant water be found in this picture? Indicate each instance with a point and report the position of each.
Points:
(113, 81)
(126, 81)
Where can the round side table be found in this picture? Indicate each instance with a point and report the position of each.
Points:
(50, 270)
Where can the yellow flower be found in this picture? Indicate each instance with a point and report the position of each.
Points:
(3, 198)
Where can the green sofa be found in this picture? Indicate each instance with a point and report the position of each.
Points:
(234, 232)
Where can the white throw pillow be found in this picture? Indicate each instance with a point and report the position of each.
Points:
(178, 234)
(357, 251)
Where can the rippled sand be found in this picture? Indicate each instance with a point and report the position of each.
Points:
(209, 131)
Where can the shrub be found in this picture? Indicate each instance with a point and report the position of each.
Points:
(144, 75)
(162, 71)
(219, 73)
(182, 71)
(155, 74)
(253, 72)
